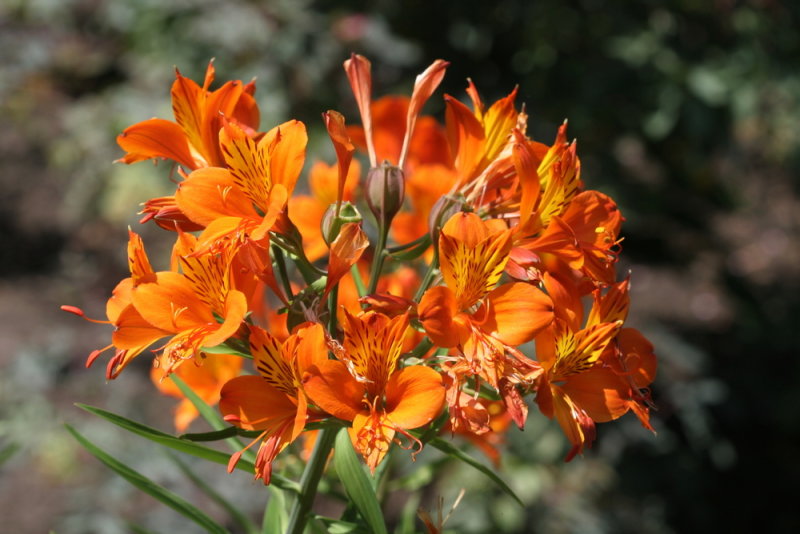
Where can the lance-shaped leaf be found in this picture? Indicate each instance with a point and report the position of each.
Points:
(346, 250)
(455, 452)
(151, 488)
(356, 483)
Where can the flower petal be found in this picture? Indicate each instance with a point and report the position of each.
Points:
(414, 396)
(514, 313)
(331, 387)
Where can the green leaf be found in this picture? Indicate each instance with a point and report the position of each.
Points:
(217, 435)
(210, 415)
(413, 250)
(151, 488)
(356, 483)
(337, 526)
(451, 450)
(225, 349)
(276, 518)
(234, 512)
(182, 445)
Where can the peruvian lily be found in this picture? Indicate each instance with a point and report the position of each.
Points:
(273, 401)
(587, 379)
(367, 387)
(184, 305)
(120, 310)
(192, 141)
(484, 322)
(243, 201)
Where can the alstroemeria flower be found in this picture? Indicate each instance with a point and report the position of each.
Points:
(185, 305)
(366, 386)
(273, 402)
(243, 201)
(589, 377)
(192, 141)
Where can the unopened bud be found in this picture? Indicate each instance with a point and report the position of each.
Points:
(445, 207)
(385, 191)
(332, 223)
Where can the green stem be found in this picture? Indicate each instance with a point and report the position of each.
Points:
(429, 276)
(356, 274)
(333, 300)
(377, 261)
(282, 272)
(310, 479)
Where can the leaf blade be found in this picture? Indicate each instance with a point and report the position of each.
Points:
(146, 485)
(356, 483)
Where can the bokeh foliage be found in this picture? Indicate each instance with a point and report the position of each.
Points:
(685, 112)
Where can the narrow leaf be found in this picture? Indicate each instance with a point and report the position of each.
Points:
(182, 445)
(356, 483)
(234, 512)
(151, 488)
(210, 415)
(450, 449)
(276, 518)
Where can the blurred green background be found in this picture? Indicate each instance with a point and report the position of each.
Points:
(686, 112)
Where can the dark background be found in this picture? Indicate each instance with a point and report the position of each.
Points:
(686, 112)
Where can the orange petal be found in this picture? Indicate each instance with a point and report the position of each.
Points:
(133, 332)
(637, 356)
(414, 396)
(171, 304)
(334, 122)
(358, 69)
(210, 193)
(466, 137)
(249, 402)
(289, 154)
(600, 392)
(515, 313)
(331, 387)
(346, 250)
(437, 310)
(235, 310)
(371, 437)
(424, 86)
(156, 138)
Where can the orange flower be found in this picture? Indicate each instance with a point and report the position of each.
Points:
(366, 387)
(185, 305)
(273, 402)
(120, 310)
(192, 141)
(242, 202)
(589, 375)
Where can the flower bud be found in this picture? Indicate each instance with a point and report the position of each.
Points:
(332, 224)
(445, 207)
(385, 191)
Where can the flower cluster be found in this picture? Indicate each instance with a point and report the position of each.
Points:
(484, 241)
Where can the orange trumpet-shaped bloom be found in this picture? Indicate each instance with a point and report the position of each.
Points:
(244, 200)
(120, 310)
(192, 141)
(473, 254)
(185, 305)
(591, 374)
(273, 402)
(366, 386)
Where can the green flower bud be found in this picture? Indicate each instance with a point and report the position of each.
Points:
(332, 224)
(385, 191)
